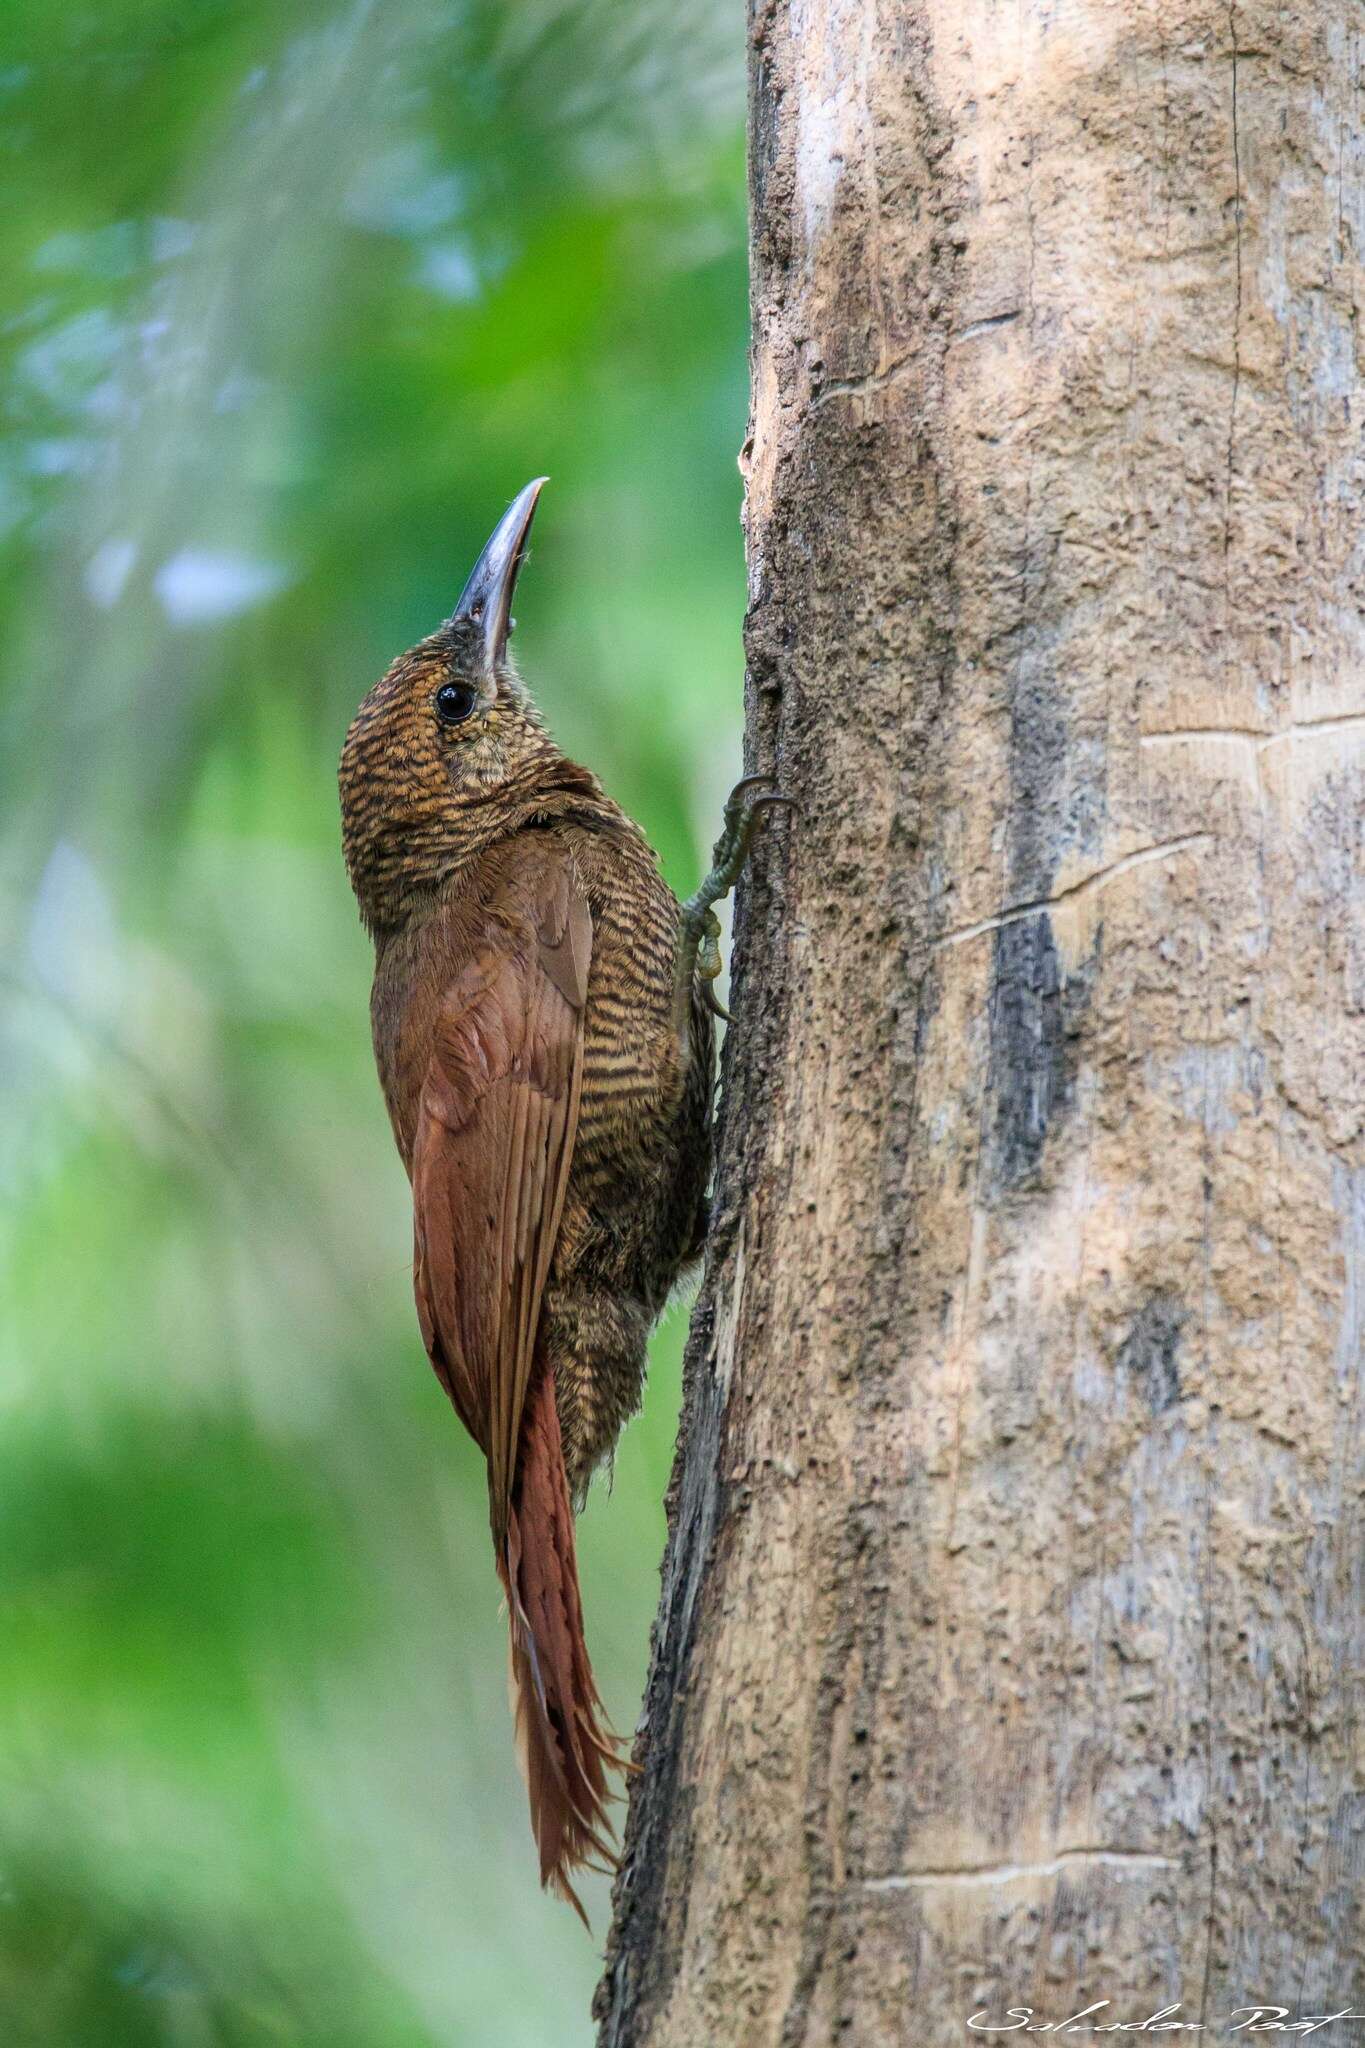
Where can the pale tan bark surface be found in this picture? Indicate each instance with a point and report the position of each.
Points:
(1012, 1637)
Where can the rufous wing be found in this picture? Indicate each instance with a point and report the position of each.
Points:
(494, 1140)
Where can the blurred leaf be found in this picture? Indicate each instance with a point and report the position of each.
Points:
(293, 297)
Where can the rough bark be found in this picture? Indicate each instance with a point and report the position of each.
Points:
(1011, 1636)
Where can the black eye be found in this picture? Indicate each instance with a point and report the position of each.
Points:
(454, 702)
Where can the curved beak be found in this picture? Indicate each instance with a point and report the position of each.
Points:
(487, 596)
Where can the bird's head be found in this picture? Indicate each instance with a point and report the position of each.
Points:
(447, 750)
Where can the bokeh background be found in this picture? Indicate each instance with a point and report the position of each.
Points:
(293, 297)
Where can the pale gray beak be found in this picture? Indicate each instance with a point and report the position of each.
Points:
(487, 597)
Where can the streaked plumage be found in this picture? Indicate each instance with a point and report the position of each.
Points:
(550, 1090)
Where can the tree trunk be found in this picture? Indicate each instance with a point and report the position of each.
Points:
(1011, 1632)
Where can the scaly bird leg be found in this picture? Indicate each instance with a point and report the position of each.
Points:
(699, 939)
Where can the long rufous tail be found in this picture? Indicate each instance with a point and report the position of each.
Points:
(564, 1743)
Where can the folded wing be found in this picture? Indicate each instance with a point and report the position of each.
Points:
(490, 1165)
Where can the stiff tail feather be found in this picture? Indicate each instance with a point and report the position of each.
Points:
(564, 1743)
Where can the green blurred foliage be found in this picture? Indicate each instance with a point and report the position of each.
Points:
(293, 297)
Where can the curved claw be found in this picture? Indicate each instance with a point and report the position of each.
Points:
(739, 806)
(714, 1003)
(747, 782)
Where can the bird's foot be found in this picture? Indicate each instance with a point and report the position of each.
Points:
(709, 963)
(699, 942)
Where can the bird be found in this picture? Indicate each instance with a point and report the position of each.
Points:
(542, 1018)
